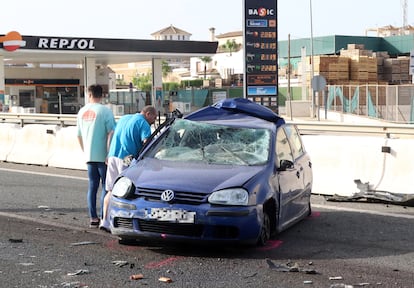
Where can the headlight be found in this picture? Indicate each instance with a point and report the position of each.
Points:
(236, 196)
(123, 187)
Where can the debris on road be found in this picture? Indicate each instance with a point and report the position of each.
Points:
(79, 272)
(165, 279)
(76, 284)
(136, 277)
(336, 278)
(341, 285)
(27, 264)
(120, 263)
(14, 240)
(83, 243)
(51, 271)
(289, 267)
(45, 229)
(371, 195)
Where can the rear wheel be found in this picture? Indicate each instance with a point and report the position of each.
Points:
(265, 232)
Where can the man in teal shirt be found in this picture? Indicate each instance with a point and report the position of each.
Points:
(130, 134)
(95, 126)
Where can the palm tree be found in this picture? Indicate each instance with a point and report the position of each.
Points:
(206, 60)
(231, 45)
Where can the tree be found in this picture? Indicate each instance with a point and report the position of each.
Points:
(143, 82)
(231, 45)
(206, 60)
(165, 68)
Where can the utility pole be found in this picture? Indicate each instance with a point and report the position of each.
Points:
(312, 65)
(288, 72)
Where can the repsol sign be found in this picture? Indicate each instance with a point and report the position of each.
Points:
(66, 44)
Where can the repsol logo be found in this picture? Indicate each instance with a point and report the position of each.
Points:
(262, 12)
(69, 44)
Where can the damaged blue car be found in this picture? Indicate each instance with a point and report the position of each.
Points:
(232, 172)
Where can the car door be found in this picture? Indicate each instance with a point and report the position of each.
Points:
(300, 197)
(290, 183)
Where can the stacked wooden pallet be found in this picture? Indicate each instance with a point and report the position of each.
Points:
(396, 70)
(333, 68)
(356, 65)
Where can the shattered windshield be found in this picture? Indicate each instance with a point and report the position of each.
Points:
(191, 141)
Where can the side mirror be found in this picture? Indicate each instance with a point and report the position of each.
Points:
(285, 164)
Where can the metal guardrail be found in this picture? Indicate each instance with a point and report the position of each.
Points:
(332, 128)
(42, 118)
(38, 118)
(305, 127)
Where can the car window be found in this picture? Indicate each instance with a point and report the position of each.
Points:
(283, 151)
(295, 140)
(196, 141)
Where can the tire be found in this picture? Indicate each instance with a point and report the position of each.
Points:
(265, 231)
(309, 209)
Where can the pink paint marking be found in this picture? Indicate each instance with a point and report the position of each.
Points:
(270, 245)
(315, 214)
(167, 261)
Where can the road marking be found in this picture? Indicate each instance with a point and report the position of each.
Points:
(43, 174)
(328, 207)
(55, 224)
(405, 216)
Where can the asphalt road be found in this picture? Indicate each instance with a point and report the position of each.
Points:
(45, 242)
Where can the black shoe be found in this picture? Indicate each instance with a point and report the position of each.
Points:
(94, 224)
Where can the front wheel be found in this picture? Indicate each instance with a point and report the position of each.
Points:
(265, 230)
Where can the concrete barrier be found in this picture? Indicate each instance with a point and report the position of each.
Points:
(34, 144)
(67, 152)
(384, 164)
(8, 133)
(397, 169)
(337, 161)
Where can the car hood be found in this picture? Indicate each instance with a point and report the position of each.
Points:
(184, 176)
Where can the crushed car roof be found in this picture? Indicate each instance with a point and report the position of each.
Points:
(235, 108)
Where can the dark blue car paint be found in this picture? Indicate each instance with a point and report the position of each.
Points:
(202, 177)
(289, 190)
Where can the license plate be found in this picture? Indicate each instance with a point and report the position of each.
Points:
(170, 215)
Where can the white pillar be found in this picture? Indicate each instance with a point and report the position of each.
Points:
(89, 74)
(2, 83)
(157, 99)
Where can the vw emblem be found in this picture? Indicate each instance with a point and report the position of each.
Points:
(167, 195)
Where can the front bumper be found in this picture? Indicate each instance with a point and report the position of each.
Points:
(129, 219)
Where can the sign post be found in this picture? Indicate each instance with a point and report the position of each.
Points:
(318, 84)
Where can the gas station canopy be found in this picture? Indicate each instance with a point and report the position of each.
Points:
(19, 49)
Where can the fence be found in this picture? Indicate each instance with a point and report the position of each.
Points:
(192, 99)
(393, 103)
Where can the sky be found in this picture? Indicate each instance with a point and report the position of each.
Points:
(138, 19)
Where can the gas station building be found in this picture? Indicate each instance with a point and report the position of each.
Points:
(42, 74)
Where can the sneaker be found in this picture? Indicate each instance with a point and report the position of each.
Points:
(104, 226)
(94, 223)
